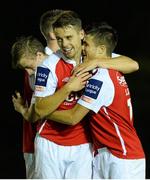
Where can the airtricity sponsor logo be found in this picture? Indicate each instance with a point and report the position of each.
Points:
(93, 88)
(42, 76)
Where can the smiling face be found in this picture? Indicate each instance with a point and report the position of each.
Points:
(90, 50)
(100, 41)
(69, 40)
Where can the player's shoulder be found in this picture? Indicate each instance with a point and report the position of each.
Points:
(114, 55)
(102, 72)
(103, 75)
(50, 61)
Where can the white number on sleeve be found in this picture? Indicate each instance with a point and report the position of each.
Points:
(130, 108)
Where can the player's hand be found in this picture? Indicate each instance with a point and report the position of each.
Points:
(18, 102)
(76, 83)
(86, 66)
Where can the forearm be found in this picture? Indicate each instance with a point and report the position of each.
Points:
(46, 105)
(63, 117)
(121, 63)
(70, 117)
(29, 114)
(24, 112)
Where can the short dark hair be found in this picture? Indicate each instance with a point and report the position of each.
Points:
(68, 18)
(103, 33)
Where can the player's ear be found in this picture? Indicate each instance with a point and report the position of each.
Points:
(101, 49)
(39, 55)
(82, 34)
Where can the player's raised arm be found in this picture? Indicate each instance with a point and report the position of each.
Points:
(120, 63)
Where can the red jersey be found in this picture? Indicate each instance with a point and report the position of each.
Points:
(50, 76)
(107, 94)
(29, 129)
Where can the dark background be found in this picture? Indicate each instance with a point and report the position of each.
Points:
(132, 21)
